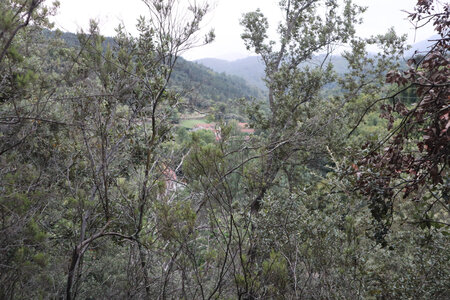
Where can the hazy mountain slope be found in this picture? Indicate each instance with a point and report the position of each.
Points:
(250, 68)
(421, 47)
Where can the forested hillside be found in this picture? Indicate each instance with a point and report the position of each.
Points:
(200, 85)
(329, 185)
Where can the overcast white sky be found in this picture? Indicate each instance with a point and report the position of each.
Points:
(224, 18)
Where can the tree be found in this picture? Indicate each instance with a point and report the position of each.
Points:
(233, 179)
(131, 105)
(69, 167)
(411, 162)
(25, 88)
(294, 91)
(101, 197)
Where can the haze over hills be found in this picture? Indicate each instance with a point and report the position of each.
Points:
(422, 46)
(251, 68)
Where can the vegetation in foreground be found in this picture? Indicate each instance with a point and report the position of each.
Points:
(338, 194)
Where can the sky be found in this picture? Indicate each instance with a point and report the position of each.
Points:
(224, 17)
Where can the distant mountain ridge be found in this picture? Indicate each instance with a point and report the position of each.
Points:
(421, 47)
(252, 68)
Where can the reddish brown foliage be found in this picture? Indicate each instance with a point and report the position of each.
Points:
(415, 154)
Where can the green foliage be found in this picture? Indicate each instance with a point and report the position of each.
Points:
(209, 86)
(175, 221)
(105, 192)
(204, 86)
(191, 123)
